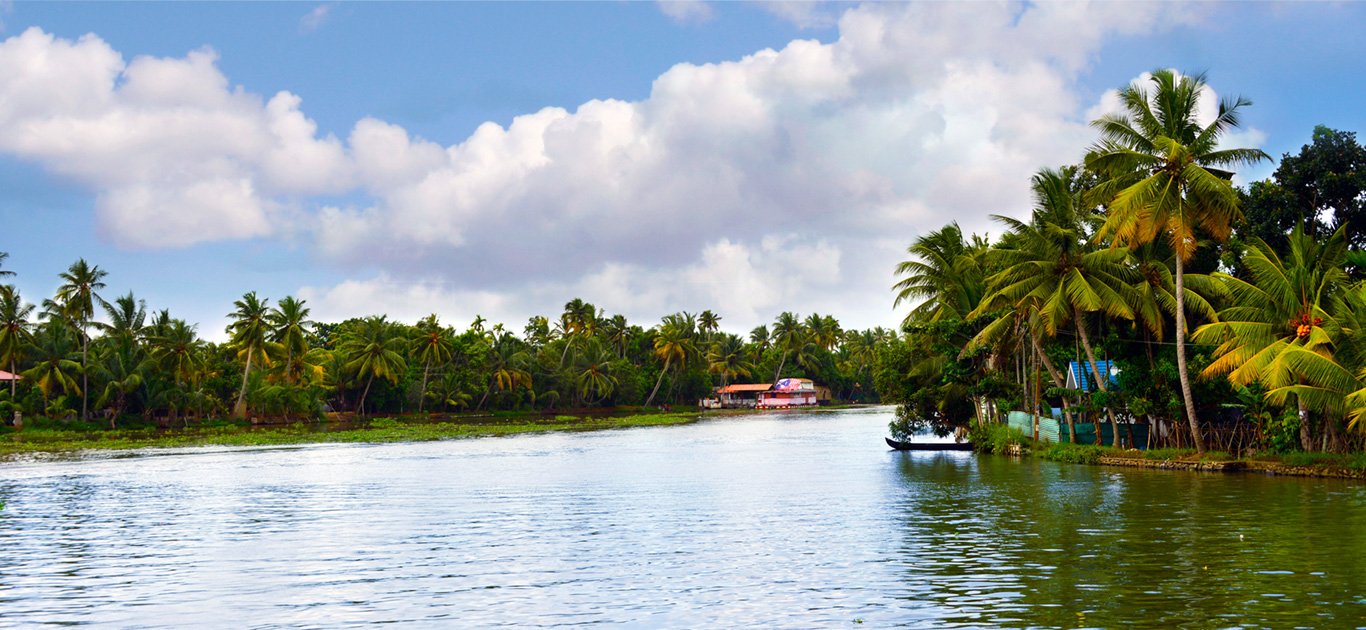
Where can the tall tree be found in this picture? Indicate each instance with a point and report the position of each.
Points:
(1162, 180)
(374, 349)
(77, 297)
(1052, 268)
(789, 335)
(249, 328)
(945, 274)
(1281, 326)
(289, 329)
(4, 273)
(16, 330)
(674, 344)
(431, 346)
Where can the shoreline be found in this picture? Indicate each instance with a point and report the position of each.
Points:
(376, 430)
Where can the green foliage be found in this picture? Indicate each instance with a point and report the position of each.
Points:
(997, 438)
(1073, 453)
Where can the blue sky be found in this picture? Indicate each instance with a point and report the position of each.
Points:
(503, 158)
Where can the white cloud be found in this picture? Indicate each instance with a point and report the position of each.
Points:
(314, 19)
(786, 180)
(173, 152)
(686, 11)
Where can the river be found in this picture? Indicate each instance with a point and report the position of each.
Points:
(781, 520)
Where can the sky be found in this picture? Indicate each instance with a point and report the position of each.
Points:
(501, 159)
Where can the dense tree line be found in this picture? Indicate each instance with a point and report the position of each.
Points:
(1145, 241)
(81, 355)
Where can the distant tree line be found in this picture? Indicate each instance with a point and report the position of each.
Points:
(81, 355)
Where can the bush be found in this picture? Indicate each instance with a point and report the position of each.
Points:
(1356, 461)
(1073, 453)
(996, 438)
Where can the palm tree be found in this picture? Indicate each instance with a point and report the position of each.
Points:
(4, 273)
(727, 358)
(373, 350)
(1051, 268)
(947, 275)
(127, 319)
(178, 350)
(674, 343)
(788, 337)
(595, 372)
(249, 327)
(16, 331)
(1282, 326)
(77, 298)
(53, 367)
(618, 334)
(708, 323)
(1162, 180)
(121, 367)
(289, 328)
(507, 371)
(433, 344)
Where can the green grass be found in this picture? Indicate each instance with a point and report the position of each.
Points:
(40, 440)
(1353, 461)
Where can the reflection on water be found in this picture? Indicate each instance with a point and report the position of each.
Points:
(784, 520)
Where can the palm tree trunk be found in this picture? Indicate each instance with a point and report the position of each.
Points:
(85, 377)
(1181, 356)
(422, 397)
(1058, 381)
(779, 371)
(657, 382)
(1095, 371)
(240, 408)
(14, 379)
(361, 407)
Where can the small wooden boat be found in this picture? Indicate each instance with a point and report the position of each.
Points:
(929, 446)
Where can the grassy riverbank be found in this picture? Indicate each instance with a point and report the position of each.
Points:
(49, 439)
(1004, 440)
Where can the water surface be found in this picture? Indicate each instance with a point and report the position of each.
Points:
(780, 520)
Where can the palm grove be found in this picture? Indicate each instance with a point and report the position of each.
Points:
(1232, 316)
(81, 355)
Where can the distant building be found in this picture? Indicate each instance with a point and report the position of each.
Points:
(1079, 375)
(788, 392)
(740, 395)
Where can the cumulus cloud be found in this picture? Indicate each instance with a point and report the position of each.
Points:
(802, 13)
(174, 154)
(788, 179)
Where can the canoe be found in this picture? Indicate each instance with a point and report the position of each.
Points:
(929, 446)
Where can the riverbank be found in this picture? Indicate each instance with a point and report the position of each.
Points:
(387, 429)
(1003, 440)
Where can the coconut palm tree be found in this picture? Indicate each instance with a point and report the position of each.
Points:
(1162, 180)
(789, 336)
(374, 349)
(127, 319)
(249, 329)
(4, 273)
(53, 368)
(727, 357)
(595, 372)
(432, 345)
(1281, 327)
(675, 342)
(16, 331)
(1050, 267)
(289, 328)
(507, 371)
(946, 275)
(708, 323)
(618, 334)
(77, 297)
(122, 367)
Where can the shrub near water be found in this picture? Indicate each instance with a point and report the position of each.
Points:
(996, 438)
(1073, 453)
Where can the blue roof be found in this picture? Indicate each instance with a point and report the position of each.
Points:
(1080, 373)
